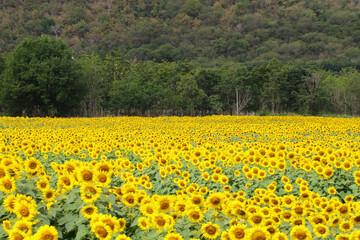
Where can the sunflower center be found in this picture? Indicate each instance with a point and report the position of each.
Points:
(195, 215)
(8, 185)
(101, 231)
(346, 226)
(18, 236)
(299, 210)
(297, 222)
(343, 209)
(164, 206)
(258, 236)
(300, 235)
(211, 230)
(256, 219)
(66, 182)
(130, 199)
(321, 230)
(24, 212)
(110, 223)
(239, 233)
(160, 222)
(87, 175)
(89, 210)
(102, 178)
(33, 165)
(215, 201)
(48, 236)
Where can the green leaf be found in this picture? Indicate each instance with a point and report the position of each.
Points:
(82, 231)
(68, 218)
(43, 219)
(112, 198)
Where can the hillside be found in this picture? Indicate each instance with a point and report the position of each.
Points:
(202, 30)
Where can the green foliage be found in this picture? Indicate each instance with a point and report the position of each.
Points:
(245, 31)
(42, 78)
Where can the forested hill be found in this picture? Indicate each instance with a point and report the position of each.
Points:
(203, 30)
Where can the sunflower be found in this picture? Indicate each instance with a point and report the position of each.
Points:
(3, 172)
(16, 234)
(7, 185)
(197, 199)
(279, 236)
(258, 233)
(147, 209)
(342, 236)
(256, 219)
(288, 187)
(215, 200)
(164, 204)
(89, 211)
(237, 173)
(143, 223)
(343, 209)
(102, 178)
(24, 226)
(6, 224)
(346, 226)
(32, 165)
(111, 221)
(46, 232)
(49, 195)
(173, 236)
(355, 235)
(89, 193)
(332, 191)
(85, 174)
(300, 233)
(122, 237)
(161, 221)
(335, 222)
(298, 211)
(320, 230)
(101, 230)
(42, 184)
(129, 199)
(65, 182)
(237, 231)
(122, 223)
(25, 210)
(298, 222)
(356, 219)
(195, 215)
(210, 230)
(9, 203)
(272, 229)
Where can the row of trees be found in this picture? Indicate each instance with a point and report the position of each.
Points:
(42, 78)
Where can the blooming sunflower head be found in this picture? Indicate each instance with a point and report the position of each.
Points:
(210, 230)
(89, 211)
(300, 233)
(46, 233)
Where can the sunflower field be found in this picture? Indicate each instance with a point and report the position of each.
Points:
(180, 178)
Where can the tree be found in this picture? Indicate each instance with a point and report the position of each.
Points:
(94, 75)
(42, 78)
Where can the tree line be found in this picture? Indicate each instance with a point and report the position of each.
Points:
(42, 77)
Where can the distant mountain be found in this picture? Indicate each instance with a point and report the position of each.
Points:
(202, 30)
